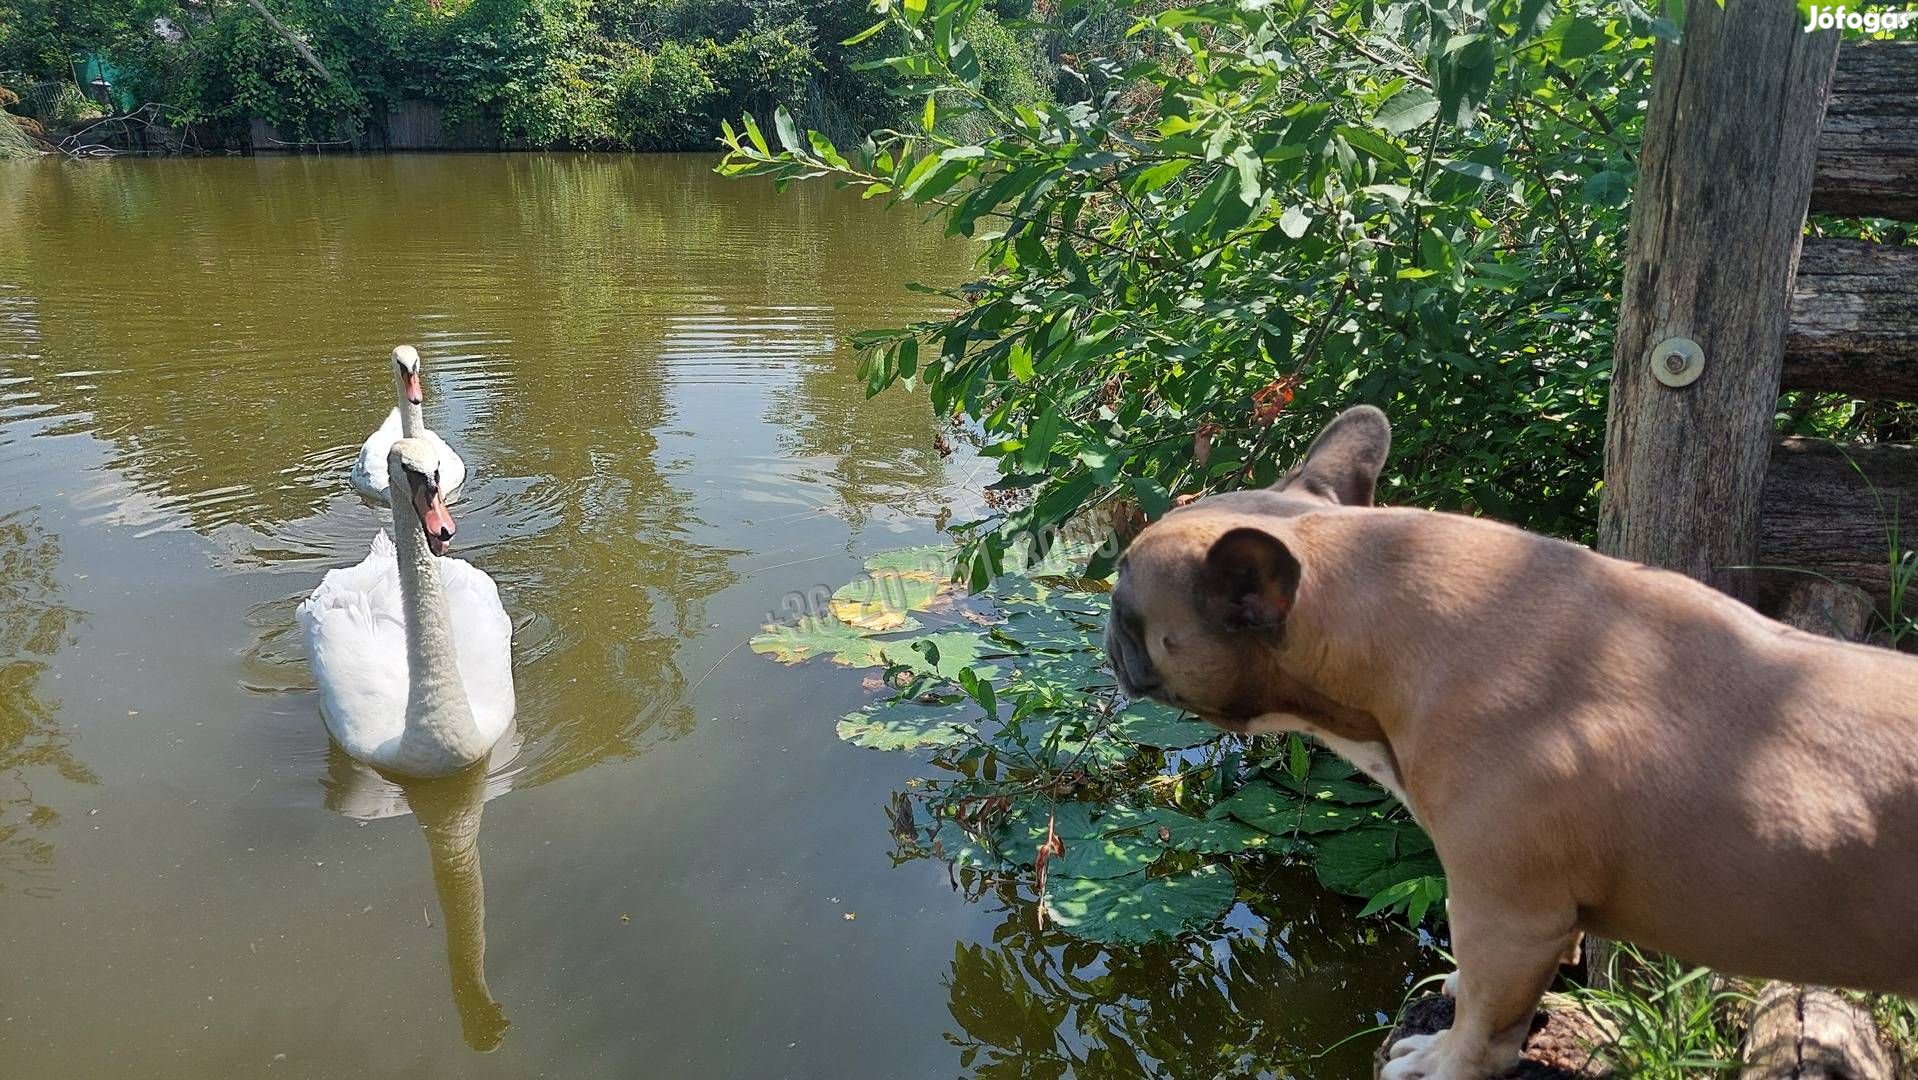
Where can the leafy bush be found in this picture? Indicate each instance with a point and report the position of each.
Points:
(657, 94)
(651, 74)
(1264, 214)
(236, 68)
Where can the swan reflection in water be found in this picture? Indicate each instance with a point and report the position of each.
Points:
(448, 809)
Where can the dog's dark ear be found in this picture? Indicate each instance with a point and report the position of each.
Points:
(1249, 581)
(1344, 462)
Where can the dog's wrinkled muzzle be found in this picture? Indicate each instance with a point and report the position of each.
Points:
(1130, 664)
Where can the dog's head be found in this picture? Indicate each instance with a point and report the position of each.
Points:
(1204, 594)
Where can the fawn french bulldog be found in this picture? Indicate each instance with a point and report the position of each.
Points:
(1593, 745)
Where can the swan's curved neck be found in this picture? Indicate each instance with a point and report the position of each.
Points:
(440, 735)
(412, 421)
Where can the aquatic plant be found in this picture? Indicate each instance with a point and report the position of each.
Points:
(1126, 820)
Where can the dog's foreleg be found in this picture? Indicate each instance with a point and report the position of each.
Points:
(1506, 960)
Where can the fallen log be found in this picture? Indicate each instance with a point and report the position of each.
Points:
(1810, 1033)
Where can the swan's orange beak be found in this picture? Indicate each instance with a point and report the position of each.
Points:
(413, 393)
(435, 522)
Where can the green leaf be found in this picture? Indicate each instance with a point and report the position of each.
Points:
(1364, 861)
(1038, 628)
(1294, 221)
(1184, 832)
(1037, 450)
(908, 725)
(1372, 143)
(1148, 723)
(1158, 176)
(862, 35)
(1137, 908)
(949, 840)
(952, 652)
(788, 135)
(1154, 499)
(1578, 37)
(1483, 173)
(1410, 108)
(1608, 188)
(1262, 805)
(1464, 77)
(848, 646)
(932, 560)
(1089, 851)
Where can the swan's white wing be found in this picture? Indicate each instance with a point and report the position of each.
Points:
(369, 472)
(356, 642)
(452, 469)
(483, 638)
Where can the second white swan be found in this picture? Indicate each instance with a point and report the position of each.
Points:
(413, 652)
(405, 421)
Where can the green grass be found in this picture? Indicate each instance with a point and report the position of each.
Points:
(1666, 1020)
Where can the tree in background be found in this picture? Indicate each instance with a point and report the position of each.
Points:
(631, 74)
(1238, 219)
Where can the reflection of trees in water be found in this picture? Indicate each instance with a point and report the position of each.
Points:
(34, 624)
(573, 310)
(1270, 996)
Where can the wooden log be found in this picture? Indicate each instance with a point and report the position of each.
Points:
(1836, 610)
(1730, 142)
(1854, 320)
(1821, 515)
(1810, 1033)
(1565, 1043)
(1868, 150)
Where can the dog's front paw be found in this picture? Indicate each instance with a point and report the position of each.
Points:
(1427, 1057)
(1414, 1057)
(1450, 986)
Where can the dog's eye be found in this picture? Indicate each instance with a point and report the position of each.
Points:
(1167, 642)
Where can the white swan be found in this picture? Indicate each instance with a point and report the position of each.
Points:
(404, 422)
(413, 652)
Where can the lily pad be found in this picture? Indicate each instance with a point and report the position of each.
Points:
(1332, 778)
(1059, 736)
(1281, 813)
(1062, 671)
(1148, 723)
(1038, 628)
(1185, 832)
(957, 651)
(907, 725)
(848, 646)
(1136, 909)
(880, 603)
(1089, 852)
(935, 561)
(949, 840)
(1364, 861)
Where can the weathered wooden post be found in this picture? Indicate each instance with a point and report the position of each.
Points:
(1731, 139)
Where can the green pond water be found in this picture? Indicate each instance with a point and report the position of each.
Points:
(680, 871)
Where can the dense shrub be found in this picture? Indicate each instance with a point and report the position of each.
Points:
(1254, 216)
(655, 93)
(646, 74)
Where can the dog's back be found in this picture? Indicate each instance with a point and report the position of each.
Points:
(1707, 781)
